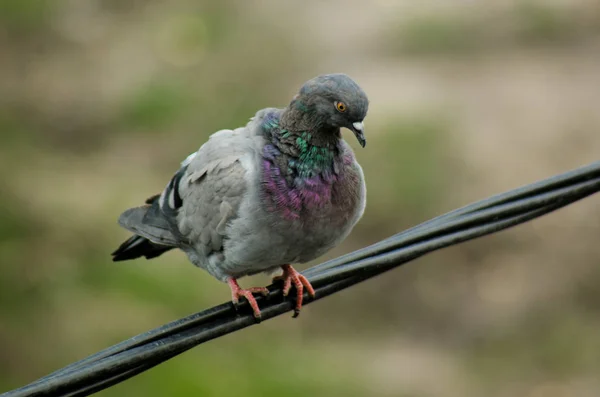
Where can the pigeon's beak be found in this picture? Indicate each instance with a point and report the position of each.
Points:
(359, 132)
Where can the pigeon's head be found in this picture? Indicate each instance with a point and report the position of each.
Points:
(336, 101)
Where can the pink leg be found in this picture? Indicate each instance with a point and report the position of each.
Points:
(237, 292)
(289, 276)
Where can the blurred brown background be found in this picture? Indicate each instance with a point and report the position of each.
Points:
(101, 99)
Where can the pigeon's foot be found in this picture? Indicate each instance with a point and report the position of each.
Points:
(238, 292)
(291, 276)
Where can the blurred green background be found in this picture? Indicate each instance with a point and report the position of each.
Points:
(101, 99)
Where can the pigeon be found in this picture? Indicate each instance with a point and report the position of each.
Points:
(282, 190)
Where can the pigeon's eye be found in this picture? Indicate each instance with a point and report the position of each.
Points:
(340, 106)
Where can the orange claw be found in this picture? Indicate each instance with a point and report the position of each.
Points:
(237, 292)
(289, 276)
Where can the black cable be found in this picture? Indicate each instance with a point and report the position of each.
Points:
(140, 353)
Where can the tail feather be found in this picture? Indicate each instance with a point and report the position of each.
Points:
(138, 246)
(148, 222)
(152, 232)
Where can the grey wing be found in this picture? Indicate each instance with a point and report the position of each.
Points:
(216, 182)
(204, 195)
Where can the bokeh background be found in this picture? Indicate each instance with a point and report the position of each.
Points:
(101, 99)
